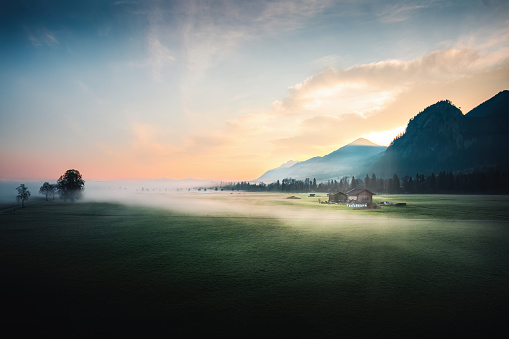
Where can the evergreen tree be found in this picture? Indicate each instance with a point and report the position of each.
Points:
(432, 183)
(396, 184)
(373, 182)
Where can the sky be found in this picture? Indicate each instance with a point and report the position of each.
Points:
(226, 90)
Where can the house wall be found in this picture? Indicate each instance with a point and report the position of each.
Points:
(341, 197)
(337, 197)
(364, 197)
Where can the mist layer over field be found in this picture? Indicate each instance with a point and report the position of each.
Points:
(209, 264)
(184, 197)
(211, 202)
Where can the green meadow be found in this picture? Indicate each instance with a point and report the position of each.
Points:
(237, 264)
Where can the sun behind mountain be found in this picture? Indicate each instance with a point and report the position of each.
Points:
(362, 142)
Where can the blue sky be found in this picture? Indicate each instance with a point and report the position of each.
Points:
(229, 89)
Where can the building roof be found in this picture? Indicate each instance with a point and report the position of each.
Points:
(357, 191)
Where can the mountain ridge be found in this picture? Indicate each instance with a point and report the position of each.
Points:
(340, 162)
(442, 138)
(439, 138)
(362, 142)
(289, 163)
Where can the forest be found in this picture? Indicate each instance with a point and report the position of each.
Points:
(492, 181)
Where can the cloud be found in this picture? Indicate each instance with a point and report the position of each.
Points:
(328, 61)
(244, 147)
(367, 89)
(90, 93)
(203, 144)
(41, 37)
(398, 12)
(210, 30)
(144, 143)
(494, 3)
(150, 149)
(374, 100)
(287, 15)
(160, 56)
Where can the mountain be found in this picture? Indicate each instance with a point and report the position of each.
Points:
(344, 161)
(288, 164)
(363, 142)
(441, 138)
(495, 106)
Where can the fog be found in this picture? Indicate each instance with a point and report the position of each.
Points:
(95, 189)
(202, 200)
(8, 190)
(210, 202)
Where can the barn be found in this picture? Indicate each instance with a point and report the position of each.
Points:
(360, 195)
(335, 197)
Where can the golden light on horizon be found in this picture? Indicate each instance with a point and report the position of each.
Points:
(211, 94)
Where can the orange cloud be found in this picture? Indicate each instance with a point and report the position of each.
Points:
(334, 107)
(319, 115)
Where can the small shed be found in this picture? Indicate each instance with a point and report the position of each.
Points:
(335, 197)
(361, 195)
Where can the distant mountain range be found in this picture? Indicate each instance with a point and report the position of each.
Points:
(345, 160)
(440, 138)
(289, 163)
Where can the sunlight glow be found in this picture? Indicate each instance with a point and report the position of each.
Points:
(384, 138)
(145, 89)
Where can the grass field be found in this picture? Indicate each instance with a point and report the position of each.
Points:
(257, 264)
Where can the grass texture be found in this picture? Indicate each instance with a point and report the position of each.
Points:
(104, 269)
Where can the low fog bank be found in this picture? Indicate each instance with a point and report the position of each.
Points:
(95, 189)
(218, 203)
(8, 190)
(195, 200)
(209, 200)
(154, 184)
(155, 193)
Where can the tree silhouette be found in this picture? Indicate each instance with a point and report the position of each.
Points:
(396, 184)
(373, 183)
(353, 183)
(23, 194)
(70, 185)
(47, 189)
(480, 181)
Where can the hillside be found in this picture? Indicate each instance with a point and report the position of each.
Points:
(441, 138)
(344, 161)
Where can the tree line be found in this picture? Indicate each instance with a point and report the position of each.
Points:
(69, 186)
(477, 182)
